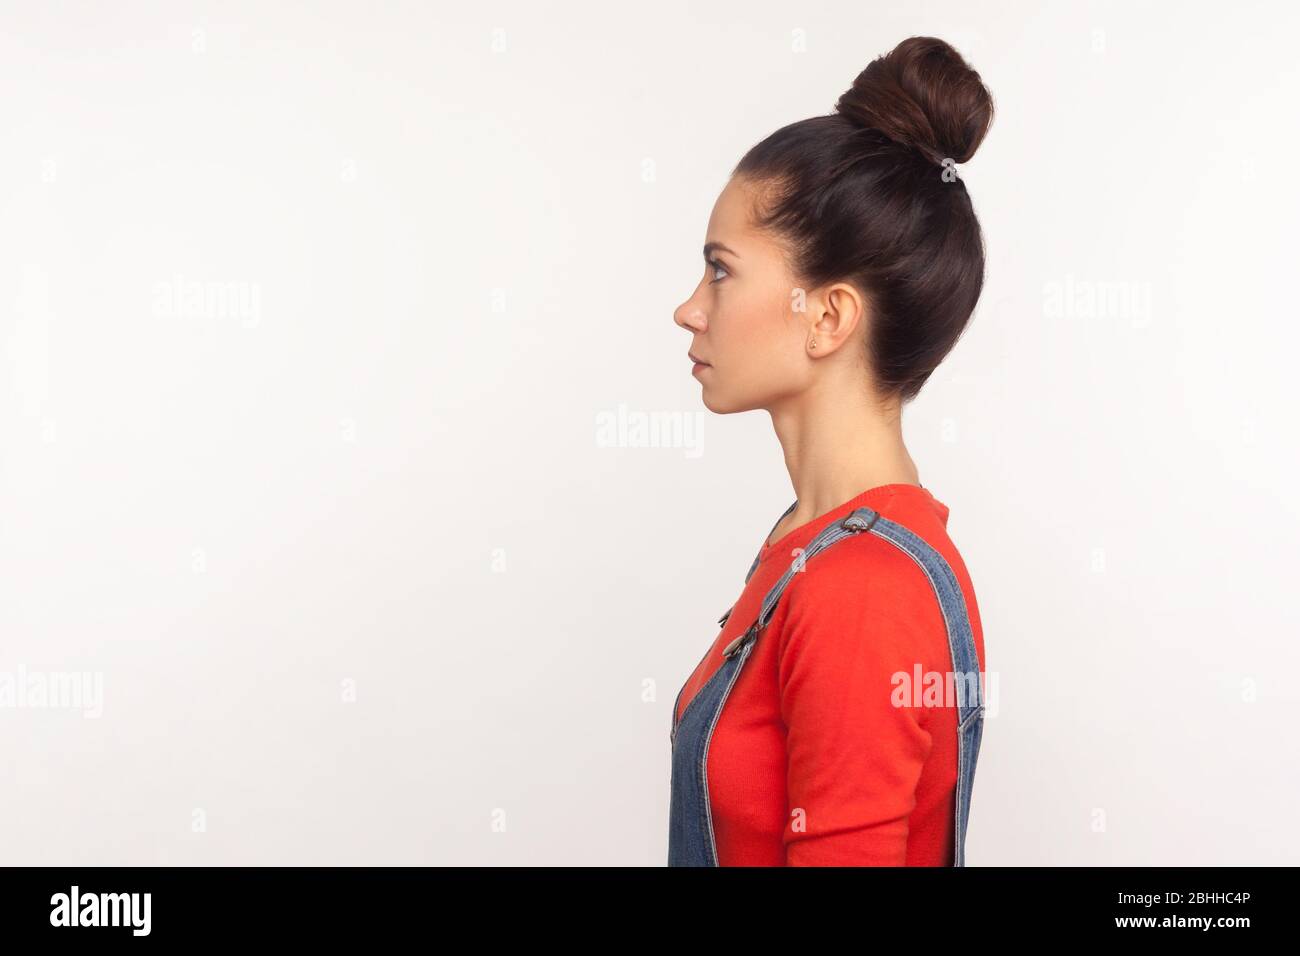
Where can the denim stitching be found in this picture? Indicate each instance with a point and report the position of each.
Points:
(698, 694)
(913, 546)
(708, 739)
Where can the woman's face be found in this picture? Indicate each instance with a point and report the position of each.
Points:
(742, 316)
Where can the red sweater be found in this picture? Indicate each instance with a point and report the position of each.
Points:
(810, 764)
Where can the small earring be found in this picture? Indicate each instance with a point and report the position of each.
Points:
(812, 345)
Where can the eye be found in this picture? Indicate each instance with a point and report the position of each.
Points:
(715, 264)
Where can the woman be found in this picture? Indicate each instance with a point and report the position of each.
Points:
(837, 717)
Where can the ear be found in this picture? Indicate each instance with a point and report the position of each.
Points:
(834, 314)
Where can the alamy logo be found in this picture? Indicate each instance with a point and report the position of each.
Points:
(625, 428)
(945, 689)
(70, 690)
(181, 298)
(101, 909)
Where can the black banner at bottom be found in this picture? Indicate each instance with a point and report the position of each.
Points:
(372, 905)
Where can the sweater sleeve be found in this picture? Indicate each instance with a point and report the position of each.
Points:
(853, 756)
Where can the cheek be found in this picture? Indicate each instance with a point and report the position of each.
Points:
(760, 340)
(761, 315)
(773, 329)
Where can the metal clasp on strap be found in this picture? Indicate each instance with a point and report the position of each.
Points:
(736, 645)
(723, 619)
(855, 522)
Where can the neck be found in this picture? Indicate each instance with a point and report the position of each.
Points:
(837, 447)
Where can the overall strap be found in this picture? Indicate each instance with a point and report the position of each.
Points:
(862, 519)
(952, 602)
(965, 660)
(754, 566)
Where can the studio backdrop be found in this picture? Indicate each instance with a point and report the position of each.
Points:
(358, 505)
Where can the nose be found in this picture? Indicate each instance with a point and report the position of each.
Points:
(690, 316)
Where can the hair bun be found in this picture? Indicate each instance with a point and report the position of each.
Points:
(922, 94)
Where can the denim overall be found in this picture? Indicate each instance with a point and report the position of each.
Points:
(690, 822)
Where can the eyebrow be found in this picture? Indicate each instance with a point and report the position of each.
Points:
(712, 247)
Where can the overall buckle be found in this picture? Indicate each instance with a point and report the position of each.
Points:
(856, 522)
(736, 645)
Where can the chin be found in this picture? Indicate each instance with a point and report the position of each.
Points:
(721, 405)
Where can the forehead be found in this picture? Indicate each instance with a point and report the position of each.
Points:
(732, 222)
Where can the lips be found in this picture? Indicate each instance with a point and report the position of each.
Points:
(697, 361)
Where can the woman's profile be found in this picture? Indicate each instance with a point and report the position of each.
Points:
(837, 718)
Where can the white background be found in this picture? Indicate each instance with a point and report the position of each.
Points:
(458, 237)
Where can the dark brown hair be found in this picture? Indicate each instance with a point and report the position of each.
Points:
(860, 195)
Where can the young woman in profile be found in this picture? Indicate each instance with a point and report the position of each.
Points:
(837, 717)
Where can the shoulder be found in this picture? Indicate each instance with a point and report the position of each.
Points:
(859, 568)
(863, 594)
(897, 557)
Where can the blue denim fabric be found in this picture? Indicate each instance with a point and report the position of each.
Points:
(691, 840)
